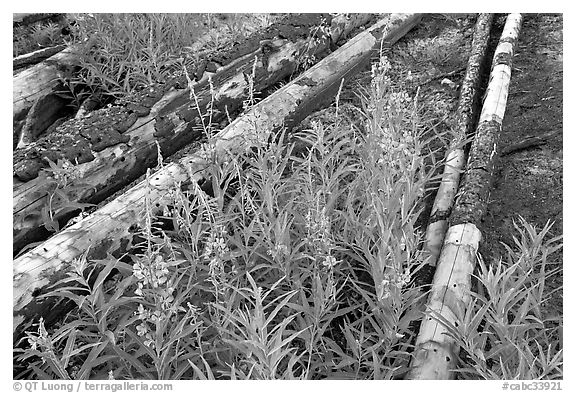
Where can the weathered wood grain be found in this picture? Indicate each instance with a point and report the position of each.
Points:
(110, 229)
(436, 350)
(108, 156)
(466, 117)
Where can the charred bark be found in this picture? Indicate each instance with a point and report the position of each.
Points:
(110, 230)
(111, 147)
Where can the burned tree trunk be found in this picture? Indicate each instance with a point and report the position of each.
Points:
(111, 147)
(436, 350)
(455, 157)
(24, 19)
(40, 80)
(110, 229)
(36, 56)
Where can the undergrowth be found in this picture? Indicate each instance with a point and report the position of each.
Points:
(506, 332)
(122, 53)
(39, 35)
(294, 259)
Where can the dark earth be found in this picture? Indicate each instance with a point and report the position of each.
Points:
(528, 181)
(528, 178)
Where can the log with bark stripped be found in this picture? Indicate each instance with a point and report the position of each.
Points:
(466, 116)
(114, 146)
(110, 229)
(436, 351)
(36, 56)
(40, 80)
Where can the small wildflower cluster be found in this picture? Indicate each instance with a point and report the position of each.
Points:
(330, 261)
(64, 172)
(143, 329)
(150, 273)
(215, 252)
(155, 286)
(40, 340)
(398, 103)
(318, 230)
(395, 148)
(386, 101)
(381, 82)
(206, 151)
(392, 282)
(278, 252)
(391, 123)
(43, 346)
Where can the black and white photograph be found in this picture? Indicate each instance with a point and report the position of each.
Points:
(287, 196)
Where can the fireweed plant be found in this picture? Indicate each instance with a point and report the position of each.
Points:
(121, 53)
(294, 258)
(507, 331)
(37, 36)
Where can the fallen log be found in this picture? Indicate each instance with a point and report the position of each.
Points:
(36, 56)
(43, 113)
(466, 116)
(44, 78)
(436, 350)
(24, 19)
(110, 229)
(40, 80)
(113, 146)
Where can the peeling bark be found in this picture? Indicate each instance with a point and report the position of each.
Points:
(436, 351)
(43, 113)
(36, 56)
(466, 116)
(24, 19)
(40, 80)
(475, 190)
(113, 146)
(110, 229)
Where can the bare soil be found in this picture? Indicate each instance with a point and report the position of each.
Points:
(528, 182)
(528, 176)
